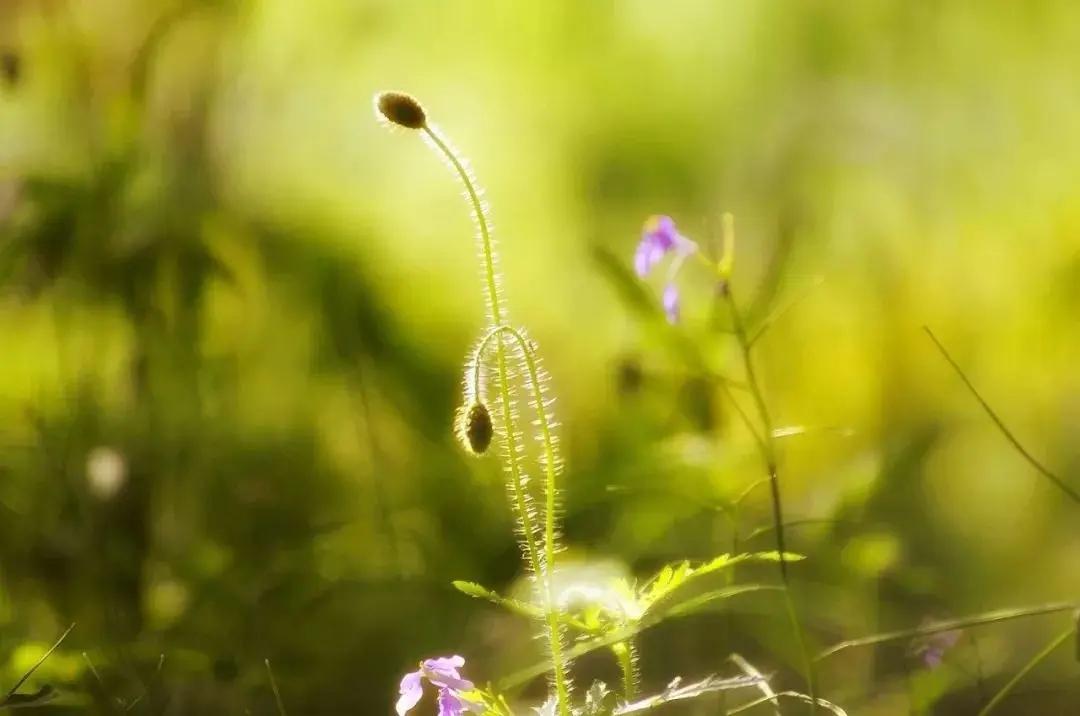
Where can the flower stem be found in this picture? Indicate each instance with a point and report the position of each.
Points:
(767, 446)
(540, 567)
(551, 467)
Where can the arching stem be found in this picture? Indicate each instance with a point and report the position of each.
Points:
(510, 434)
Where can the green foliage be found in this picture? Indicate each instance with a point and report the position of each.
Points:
(217, 273)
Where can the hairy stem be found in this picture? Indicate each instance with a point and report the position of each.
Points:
(551, 467)
(496, 321)
(626, 654)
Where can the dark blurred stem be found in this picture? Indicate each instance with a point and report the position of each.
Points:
(382, 504)
(768, 454)
(1035, 661)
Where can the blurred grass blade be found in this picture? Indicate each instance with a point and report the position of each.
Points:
(45, 693)
(676, 692)
(790, 695)
(1042, 469)
(1077, 636)
(1000, 615)
(274, 687)
(780, 311)
(763, 685)
(1026, 669)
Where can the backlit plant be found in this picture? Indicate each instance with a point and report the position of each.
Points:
(580, 618)
(503, 362)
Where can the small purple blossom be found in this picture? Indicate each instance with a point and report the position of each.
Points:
(659, 238)
(931, 649)
(443, 674)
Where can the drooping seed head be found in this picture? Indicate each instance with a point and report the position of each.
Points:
(401, 109)
(474, 428)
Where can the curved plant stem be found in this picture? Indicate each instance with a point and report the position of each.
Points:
(540, 567)
(766, 443)
(1026, 669)
(1039, 467)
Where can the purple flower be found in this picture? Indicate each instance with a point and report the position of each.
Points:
(443, 674)
(671, 303)
(658, 239)
(931, 649)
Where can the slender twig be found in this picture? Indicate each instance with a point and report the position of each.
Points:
(1039, 467)
(1026, 669)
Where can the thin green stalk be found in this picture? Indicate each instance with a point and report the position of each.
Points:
(496, 321)
(768, 453)
(1032, 663)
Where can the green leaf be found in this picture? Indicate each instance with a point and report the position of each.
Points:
(599, 700)
(674, 576)
(516, 606)
(20, 701)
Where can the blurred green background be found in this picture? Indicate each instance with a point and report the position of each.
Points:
(234, 312)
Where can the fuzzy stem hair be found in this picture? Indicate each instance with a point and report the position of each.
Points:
(540, 564)
(536, 379)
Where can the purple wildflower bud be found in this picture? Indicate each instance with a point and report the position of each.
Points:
(659, 238)
(671, 303)
(441, 672)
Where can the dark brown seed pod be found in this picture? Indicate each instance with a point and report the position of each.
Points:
(401, 109)
(475, 429)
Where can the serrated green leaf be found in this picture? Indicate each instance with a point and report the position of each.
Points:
(516, 606)
(674, 576)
